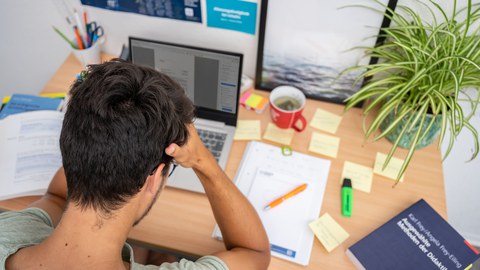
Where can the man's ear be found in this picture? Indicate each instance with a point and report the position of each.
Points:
(154, 181)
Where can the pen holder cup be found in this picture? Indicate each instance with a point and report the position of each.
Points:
(91, 55)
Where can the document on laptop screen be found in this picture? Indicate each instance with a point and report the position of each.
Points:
(210, 78)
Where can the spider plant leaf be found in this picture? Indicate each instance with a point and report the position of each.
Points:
(397, 141)
(411, 151)
(450, 143)
(419, 115)
(440, 9)
(395, 146)
(475, 140)
(382, 113)
(443, 129)
(399, 118)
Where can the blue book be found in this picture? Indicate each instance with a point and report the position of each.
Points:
(23, 103)
(417, 238)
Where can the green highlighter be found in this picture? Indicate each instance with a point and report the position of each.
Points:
(347, 197)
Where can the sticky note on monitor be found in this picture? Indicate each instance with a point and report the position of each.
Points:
(361, 176)
(324, 144)
(326, 121)
(328, 231)
(248, 130)
(393, 168)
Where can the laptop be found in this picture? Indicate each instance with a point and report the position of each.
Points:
(212, 80)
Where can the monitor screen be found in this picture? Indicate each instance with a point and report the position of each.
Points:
(210, 78)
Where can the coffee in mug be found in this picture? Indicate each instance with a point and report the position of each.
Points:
(287, 103)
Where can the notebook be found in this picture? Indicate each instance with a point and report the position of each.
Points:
(212, 80)
(264, 175)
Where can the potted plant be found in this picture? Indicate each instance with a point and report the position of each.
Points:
(424, 70)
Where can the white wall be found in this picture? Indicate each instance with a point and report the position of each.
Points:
(462, 183)
(31, 52)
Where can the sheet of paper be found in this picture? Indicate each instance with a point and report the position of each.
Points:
(285, 218)
(326, 121)
(361, 176)
(247, 130)
(291, 170)
(30, 153)
(279, 135)
(324, 144)
(391, 171)
(328, 231)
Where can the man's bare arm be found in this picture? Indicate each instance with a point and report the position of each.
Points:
(243, 234)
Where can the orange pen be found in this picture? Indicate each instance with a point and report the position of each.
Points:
(79, 39)
(286, 196)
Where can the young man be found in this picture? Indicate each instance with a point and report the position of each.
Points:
(124, 126)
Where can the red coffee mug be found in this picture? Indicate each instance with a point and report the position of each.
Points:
(288, 117)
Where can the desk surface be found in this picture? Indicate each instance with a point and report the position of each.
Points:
(183, 222)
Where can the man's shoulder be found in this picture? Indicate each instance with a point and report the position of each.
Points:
(32, 214)
(21, 229)
(204, 263)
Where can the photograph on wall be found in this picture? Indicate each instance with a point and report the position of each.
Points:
(308, 43)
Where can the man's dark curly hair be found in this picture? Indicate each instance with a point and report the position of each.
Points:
(119, 121)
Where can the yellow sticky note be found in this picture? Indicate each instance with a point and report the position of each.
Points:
(247, 130)
(393, 168)
(361, 176)
(324, 144)
(279, 135)
(328, 231)
(326, 121)
(253, 100)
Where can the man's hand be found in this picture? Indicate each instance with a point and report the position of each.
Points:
(193, 154)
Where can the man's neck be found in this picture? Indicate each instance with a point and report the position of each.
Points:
(85, 238)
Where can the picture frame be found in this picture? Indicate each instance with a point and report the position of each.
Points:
(308, 43)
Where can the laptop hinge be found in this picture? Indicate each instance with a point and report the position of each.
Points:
(209, 123)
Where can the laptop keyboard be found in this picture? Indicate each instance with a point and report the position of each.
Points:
(214, 141)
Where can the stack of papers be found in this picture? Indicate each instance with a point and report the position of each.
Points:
(265, 175)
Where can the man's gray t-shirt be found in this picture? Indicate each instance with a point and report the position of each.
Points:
(33, 225)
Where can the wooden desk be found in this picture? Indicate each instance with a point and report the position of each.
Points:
(183, 222)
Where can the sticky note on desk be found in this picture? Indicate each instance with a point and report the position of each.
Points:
(248, 130)
(328, 231)
(279, 135)
(324, 144)
(361, 176)
(326, 121)
(393, 168)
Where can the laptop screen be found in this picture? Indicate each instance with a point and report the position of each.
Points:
(210, 78)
